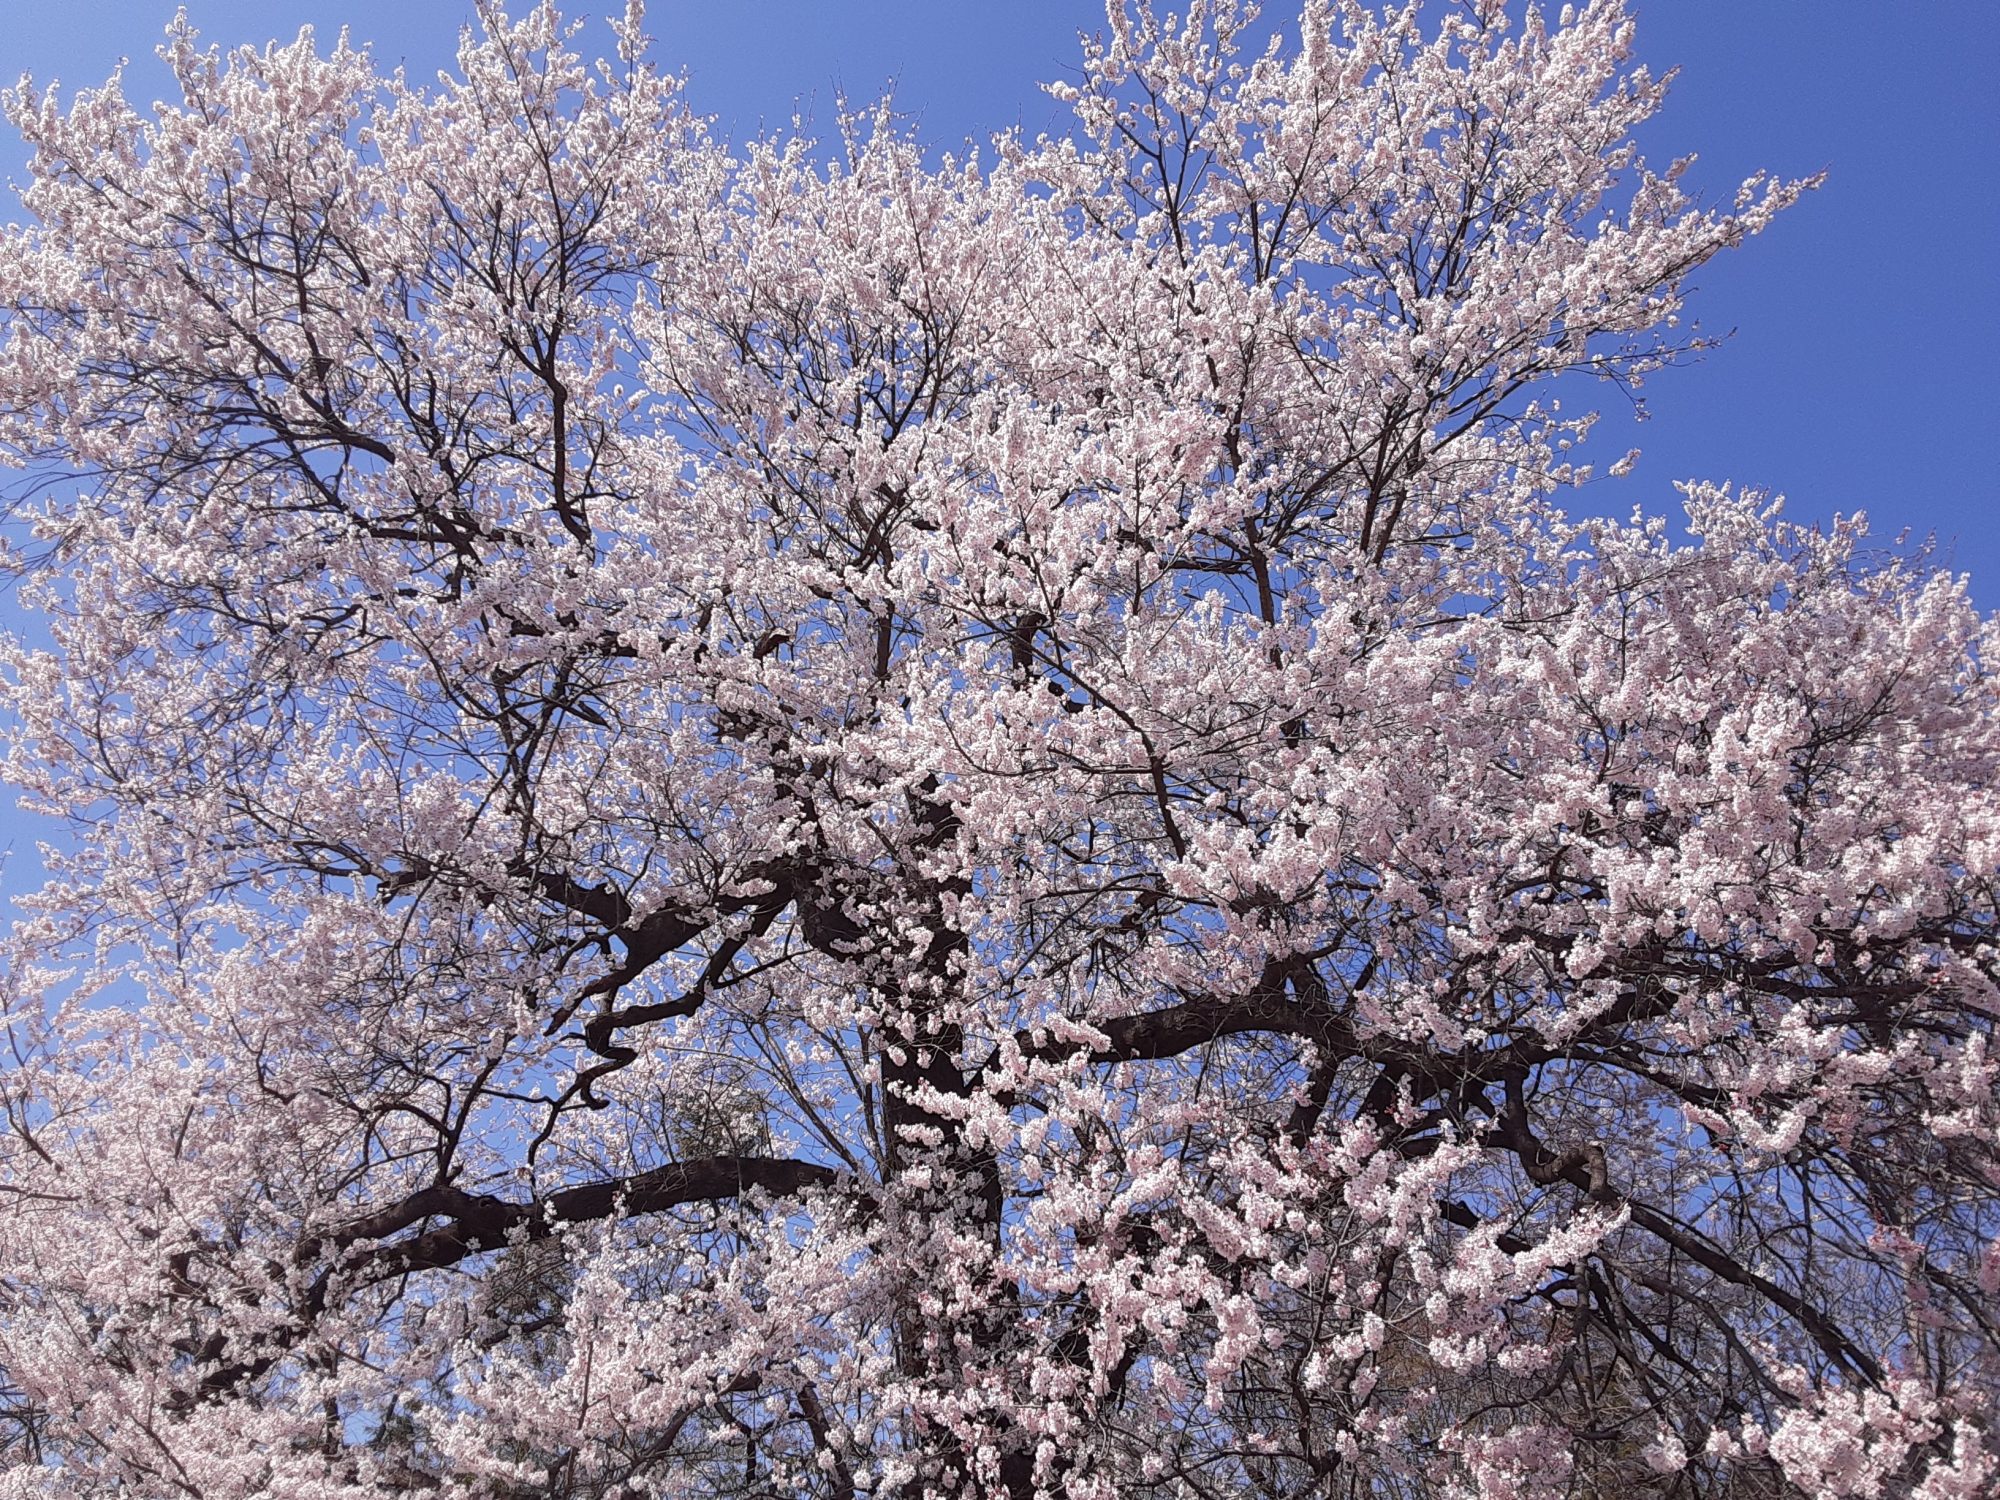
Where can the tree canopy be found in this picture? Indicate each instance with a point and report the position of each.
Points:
(797, 820)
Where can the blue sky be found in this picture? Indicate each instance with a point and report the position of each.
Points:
(1864, 321)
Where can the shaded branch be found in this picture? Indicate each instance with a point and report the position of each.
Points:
(476, 1222)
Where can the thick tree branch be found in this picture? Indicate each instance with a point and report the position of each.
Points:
(475, 1222)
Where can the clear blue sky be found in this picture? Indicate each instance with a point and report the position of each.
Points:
(1857, 378)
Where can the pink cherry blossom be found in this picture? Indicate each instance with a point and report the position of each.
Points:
(767, 820)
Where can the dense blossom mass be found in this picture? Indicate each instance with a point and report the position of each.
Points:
(804, 820)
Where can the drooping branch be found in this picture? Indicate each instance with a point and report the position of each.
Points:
(477, 1222)
(1289, 999)
(1583, 1167)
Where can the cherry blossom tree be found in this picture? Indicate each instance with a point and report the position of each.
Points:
(802, 821)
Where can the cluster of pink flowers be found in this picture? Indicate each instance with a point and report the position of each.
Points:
(743, 824)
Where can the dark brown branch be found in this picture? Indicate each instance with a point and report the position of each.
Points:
(1583, 1167)
(1289, 999)
(476, 1222)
